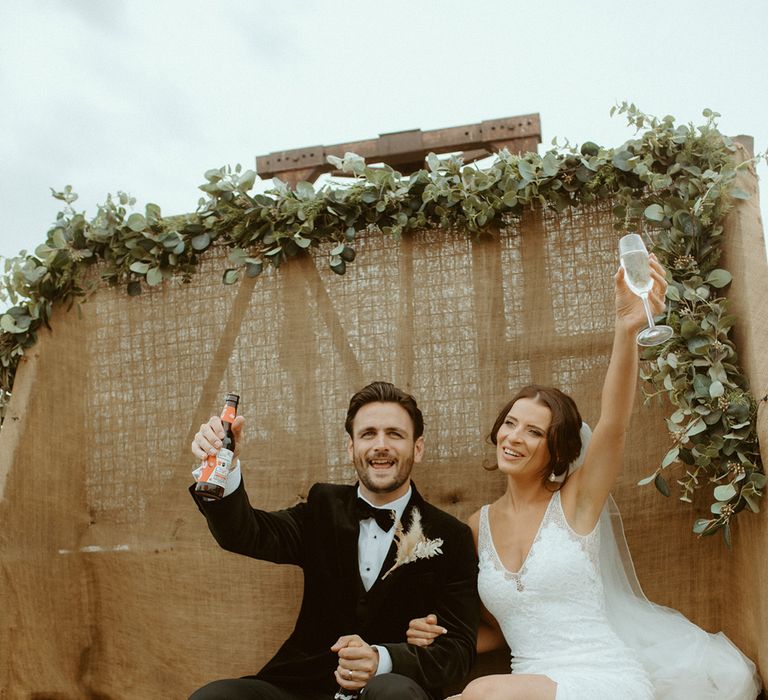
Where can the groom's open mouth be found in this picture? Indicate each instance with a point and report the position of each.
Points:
(381, 463)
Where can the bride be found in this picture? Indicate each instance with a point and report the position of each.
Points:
(555, 575)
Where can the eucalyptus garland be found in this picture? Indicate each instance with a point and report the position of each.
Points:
(674, 181)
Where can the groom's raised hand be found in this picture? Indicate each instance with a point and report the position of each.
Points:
(207, 440)
(358, 662)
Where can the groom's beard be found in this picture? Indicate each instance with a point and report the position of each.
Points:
(385, 481)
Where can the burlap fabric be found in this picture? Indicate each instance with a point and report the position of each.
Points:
(112, 586)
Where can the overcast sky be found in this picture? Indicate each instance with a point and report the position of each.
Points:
(145, 96)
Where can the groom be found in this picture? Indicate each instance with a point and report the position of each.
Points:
(361, 588)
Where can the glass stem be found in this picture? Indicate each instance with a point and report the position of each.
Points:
(647, 308)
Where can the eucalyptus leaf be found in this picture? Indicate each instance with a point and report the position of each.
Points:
(253, 269)
(689, 328)
(230, 276)
(716, 389)
(8, 324)
(305, 190)
(527, 170)
(59, 239)
(700, 525)
(154, 276)
(622, 160)
(698, 426)
(201, 241)
(510, 199)
(672, 360)
(338, 265)
(550, 164)
(661, 485)
(335, 161)
(136, 222)
(348, 254)
(153, 214)
(702, 385)
(752, 502)
(246, 181)
(699, 345)
(654, 212)
(725, 492)
(670, 457)
(678, 416)
(727, 535)
(719, 278)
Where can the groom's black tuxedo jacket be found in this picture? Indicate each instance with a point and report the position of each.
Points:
(321, 536)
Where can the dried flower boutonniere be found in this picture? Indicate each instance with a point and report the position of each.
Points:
(412, 545)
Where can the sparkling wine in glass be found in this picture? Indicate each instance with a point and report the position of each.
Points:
(637, 273)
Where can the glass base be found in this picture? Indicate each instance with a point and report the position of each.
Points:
(654, 336)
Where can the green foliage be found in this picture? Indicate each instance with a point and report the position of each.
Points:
(674, 181)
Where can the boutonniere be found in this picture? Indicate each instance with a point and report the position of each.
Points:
(412, 545)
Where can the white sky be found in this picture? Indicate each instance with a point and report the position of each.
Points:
(145, 96)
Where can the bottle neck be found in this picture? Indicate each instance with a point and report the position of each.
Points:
(229, 413)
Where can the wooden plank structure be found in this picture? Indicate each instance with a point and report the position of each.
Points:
(405, 150)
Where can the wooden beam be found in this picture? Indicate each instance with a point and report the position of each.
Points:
(406, 150)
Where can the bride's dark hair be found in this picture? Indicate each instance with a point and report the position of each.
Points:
(563, 437)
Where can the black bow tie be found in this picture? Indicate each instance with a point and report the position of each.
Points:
(384, 517)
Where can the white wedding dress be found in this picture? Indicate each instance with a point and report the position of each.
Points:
(596, 644)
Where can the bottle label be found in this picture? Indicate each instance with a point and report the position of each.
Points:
(229, 414)
(216, 468)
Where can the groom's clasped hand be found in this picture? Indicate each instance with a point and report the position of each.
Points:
(358, 662)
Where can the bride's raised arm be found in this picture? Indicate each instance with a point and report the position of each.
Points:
(587, 489)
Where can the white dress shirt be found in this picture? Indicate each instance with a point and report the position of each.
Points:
(373, 543)
(372, 547)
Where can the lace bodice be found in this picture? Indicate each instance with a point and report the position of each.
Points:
(552, 611)
(554, 528)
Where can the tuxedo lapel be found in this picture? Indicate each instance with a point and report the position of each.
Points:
(346, 532)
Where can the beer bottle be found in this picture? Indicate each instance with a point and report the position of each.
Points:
(215, 468)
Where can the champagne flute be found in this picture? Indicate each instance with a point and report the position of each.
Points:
(637, 273)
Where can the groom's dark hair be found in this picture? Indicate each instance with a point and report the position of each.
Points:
(563, 436)
(385, 393)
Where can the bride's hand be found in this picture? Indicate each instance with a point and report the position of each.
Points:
(629, 306)
(424, 630)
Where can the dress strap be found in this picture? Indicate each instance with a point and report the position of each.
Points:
(484, 531)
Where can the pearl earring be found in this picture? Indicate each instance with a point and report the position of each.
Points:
(552, 476)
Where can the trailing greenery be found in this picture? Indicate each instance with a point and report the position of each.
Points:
(674, 181)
